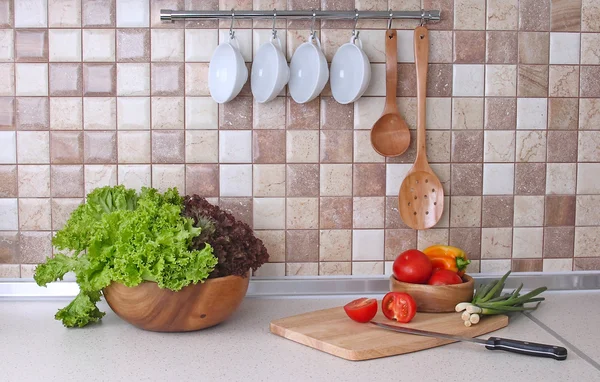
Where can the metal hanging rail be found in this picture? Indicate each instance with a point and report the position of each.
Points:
(423, 15)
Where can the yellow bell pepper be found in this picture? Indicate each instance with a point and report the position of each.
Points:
(448, 257)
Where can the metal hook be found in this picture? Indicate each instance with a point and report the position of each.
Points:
(231, 31)
(390, 20)
(423, 19)
(274, 31)
(312, 26)
(354, 31)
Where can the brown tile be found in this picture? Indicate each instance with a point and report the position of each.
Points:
(533, 81)
(31, 45)
(65, 80)
(98, 13)
(133, 45)
(447, 9)
(563, 113)
(156, 6)
(501, 47)
(560, 210)
(167, 146)
(302, 116)
(411, 152)
(66, 147)
(467, 146)
(497, 211)
(34, 247)
(439, 80)
(564, 81)
(240, 208)
(467, 179)
(398, 241)
(167, 79)
(566, 15)
(392, 214)
(9, 248)
(562, 146)
(469, 47)
(7, 113)
(32, 113)
(468, 239)
(334, 116)
(236, 114)
(67, 181)
(100, 147)
(500, 113)
(62, 209)
(530, 178)
(590, 81)
(302, 245)
(335, 212)
(204, 5)
(202, 179)
(8, 182)
(559, 242)
(302, 180)
(337, 5)
(99, 79)
(539, 55)
(534, 15)
(586, 263)
(336, 146)
(303, 5)
(269, 146)
(526, 265)
(369, 179)
(6, 13)
(407, 81)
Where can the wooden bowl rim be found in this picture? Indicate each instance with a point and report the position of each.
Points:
(469, 283)
(216, 280)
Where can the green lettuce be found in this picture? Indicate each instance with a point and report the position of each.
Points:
(120, 236)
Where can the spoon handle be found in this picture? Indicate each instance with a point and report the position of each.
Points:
(391, 69)
(421, 62)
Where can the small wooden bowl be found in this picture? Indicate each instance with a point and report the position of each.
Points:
(436, 298)
(194, 307)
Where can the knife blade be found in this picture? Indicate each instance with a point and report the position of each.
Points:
(558, 353)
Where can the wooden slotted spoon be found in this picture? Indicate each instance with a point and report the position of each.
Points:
(421, 197)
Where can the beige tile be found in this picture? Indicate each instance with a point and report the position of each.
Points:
(367, 244)
(588, 181)
(99, 113)
(563, 113)
(438, 113)
(167, 45)
(531, 146)
(335, 245)
(440, 46)
(66, 113)
(587, 210)
(527, 242)
(564, 81)
(336, 180)
(590, 48)
(7, 80)
(201, 113)
(133, 146)
(96, 13)
(587, 240)
(336, 146)
(498, 267)
(167, 79)
(528, 210)
(302, 146)
(195, 79)
(269, 213)
(367, 268)
(335, 268)
(368, 212)
(64, 13)
(201, 146)
(302, 213)
(274, 241)
(469, 14)
(465, 211)
(532, 113)
(438, 146)
(99, 176)
(270, 115)
(366, 112)
(426, 238)
(269, 180)
(332, 39)
(33, 147)
(377, 83)
(589, 146)
(500, 80)
(66, 147)
(502, 14)
(270, 270)
(9, 214)
(135, 176)
(61, 211)
(589, 114)
(302, 269)
(541, 40)
(235, 179)
(67, 181)
(165, 176)
(498, 178)
(496, 243)
(564, 48)
(133, 45)
(560, 178)
(363, 150)
(557, 265)
(590, 16)
(499, 146)
(34, 181)
(467, 113)
(34, 214)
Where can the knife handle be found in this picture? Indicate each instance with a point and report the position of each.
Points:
(559, 353)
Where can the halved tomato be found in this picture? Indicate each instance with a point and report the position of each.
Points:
(361, 310)
(399, 306)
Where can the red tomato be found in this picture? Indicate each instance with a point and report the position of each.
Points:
(444, 277)
(412, 266)
(399, 306)
(361, 310)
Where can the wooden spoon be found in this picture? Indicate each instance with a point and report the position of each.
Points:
(421, 198)
(389, 135)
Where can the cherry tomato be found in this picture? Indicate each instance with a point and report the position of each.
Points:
(444, 277)
(412, 266)
(361, 310)
(399, 306)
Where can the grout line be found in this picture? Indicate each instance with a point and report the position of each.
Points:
(562, 339)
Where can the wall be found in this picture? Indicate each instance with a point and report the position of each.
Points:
(102, 92)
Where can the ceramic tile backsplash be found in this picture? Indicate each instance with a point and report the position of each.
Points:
(102, 92)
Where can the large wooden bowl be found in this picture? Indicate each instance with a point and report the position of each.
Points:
(436, 298)
(191, 308)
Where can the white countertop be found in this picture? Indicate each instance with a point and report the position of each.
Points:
(35, 347)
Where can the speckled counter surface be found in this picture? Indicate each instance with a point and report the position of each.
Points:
(35, 347)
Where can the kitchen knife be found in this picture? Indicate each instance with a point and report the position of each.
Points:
(493, 343)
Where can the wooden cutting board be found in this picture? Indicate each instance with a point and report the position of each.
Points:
(331, 331)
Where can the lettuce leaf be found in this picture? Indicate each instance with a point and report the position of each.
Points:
(119, 236)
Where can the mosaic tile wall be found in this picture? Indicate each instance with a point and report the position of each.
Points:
(102, 92)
